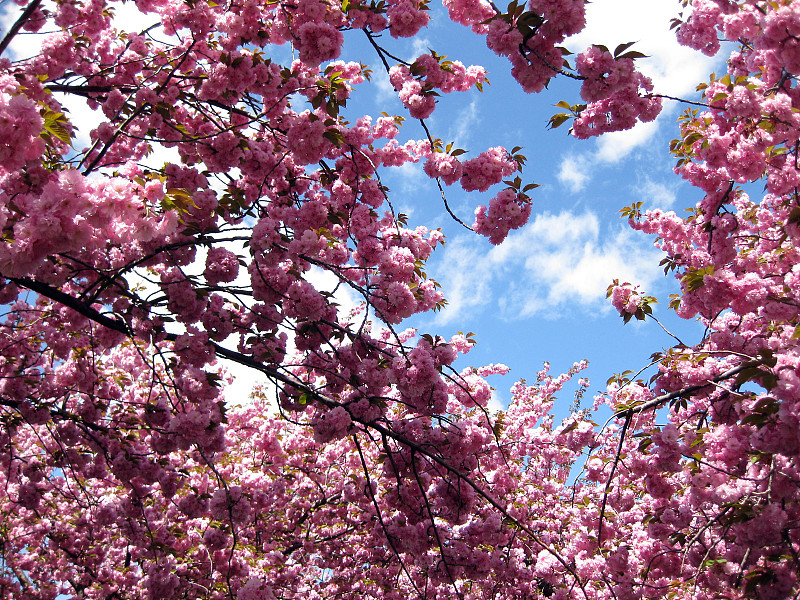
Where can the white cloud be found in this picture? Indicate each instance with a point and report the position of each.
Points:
(128, 17)
(674, 69)
(326, 281)
(384, 90)
(577, 169)
(496, 402)
(244, 381)
(466, 278)
(25, 44)
(613, 147)
(574, 171)
(419, 46)
(659, 195)
(556, 261)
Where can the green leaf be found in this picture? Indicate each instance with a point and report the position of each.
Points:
(57, 125)
(557, 120)
(334, 136)
(695, 279)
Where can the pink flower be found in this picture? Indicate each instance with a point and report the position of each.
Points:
(332, 425)
(406, 19)
(447, 168)
(222, 265)
(487, 169)
(318, 42)
(508, 210)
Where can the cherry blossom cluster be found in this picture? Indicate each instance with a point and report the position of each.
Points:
(721, 474)
(508, 210)
(617, 95)
(417, 83)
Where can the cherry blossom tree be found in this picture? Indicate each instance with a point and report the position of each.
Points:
(127, 288)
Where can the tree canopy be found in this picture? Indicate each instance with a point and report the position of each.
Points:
(126, 288)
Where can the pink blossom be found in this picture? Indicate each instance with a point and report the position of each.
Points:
(319, 42)
(222, 265)
(406, 19)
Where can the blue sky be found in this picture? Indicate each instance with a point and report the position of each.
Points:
(541, 295)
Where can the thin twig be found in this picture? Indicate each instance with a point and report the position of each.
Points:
(439, 183)
(683, 100)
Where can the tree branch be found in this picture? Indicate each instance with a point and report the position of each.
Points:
(659, 400)
(289, 380)
(23, 18)
(683, 100)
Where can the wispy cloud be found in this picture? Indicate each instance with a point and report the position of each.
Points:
(419, 46)
(559, 260)
(613, 147)
(465, 123)
(660, 195)
(384, 90)
(574, 171)
(466, 277)
(407, 179)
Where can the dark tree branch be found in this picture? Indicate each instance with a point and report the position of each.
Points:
(23, 18)
(291, 381)
(659, 400)
(610, 479)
